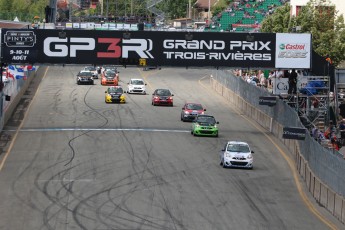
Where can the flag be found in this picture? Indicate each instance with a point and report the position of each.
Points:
(9, 75)
(29, 68)
(329, 60)
(20, 69)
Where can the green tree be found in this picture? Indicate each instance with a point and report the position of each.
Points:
(220, 6)
(25, 10)
(318, 17)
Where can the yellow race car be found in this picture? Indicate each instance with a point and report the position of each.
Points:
(115, 94)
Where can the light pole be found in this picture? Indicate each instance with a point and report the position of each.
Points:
(209, 10)
(189, 9)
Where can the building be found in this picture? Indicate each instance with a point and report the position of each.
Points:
(296, 5)
(201, 7)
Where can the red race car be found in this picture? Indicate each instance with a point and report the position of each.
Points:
(191, 110)
(162, 97)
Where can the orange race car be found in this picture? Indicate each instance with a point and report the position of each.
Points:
(110, 77)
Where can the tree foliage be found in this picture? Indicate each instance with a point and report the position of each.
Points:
(25, 10)
(318, 17)
(220, 6)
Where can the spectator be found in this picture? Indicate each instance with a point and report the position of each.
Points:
(330, 131)
(342, 109)
(292, 82)
(315, 133)
(278, 74)
(342, 131)
(332, 108)
(334, 143)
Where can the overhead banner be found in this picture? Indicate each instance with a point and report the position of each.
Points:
(293, 51)
(158, 48)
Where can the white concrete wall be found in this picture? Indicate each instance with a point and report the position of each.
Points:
(339, 5)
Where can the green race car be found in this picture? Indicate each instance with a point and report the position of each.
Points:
(205, 125)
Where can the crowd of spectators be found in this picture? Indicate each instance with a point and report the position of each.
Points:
(333, 135)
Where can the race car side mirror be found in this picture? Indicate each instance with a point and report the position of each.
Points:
(217, 122)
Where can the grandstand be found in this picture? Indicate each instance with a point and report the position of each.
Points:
(244, 15)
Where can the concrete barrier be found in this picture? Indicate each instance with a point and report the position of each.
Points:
(338, 206)
(307, 177)
(15, 100)
(323, 195)
(330, 201)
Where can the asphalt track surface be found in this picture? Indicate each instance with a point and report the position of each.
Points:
(74, 162)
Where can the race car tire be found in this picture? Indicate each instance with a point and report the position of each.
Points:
(221, 163)
(191, 132)
(194, 134)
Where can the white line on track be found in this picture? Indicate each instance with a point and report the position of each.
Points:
(100, 129)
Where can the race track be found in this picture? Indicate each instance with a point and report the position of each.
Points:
(79, 163)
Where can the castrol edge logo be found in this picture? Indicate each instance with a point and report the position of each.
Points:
(292, 50)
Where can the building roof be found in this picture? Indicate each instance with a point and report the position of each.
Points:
(204, 3)
(14, 25)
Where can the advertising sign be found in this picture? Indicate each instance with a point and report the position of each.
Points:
(270, 101)
(294, 133)
(293, 51)
(280, 86)
(158, 48)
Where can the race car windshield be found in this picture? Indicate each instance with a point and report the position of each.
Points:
(110, 74)
(137, 82)
(90, 68)
(194, 107)
(209, 120)
(85, 74)
(163, 92)
(115, 90)
(238, 148)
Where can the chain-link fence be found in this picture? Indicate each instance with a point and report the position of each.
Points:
(327, 164)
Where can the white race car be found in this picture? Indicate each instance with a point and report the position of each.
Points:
(236, 154)
(93, 70)
(136, 85)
